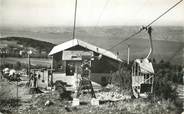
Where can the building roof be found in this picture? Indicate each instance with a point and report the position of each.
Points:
(76, 42)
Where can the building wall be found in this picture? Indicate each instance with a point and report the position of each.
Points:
(71, 80)
(100, 69)
(100, 78)
(74, 80)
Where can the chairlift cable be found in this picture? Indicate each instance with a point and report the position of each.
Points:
(102, 12)
(126, 39)
(147, 25)
(164, 13)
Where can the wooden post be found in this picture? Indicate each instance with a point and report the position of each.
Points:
(1, 60)
(52, 62)
(183, 58)
(17, 99)
(28, 69)
(29, 64)
(128, 55)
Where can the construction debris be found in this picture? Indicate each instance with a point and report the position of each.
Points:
(112, 93)
(75, 102)
(67, 108)
(111, 96)
(35, 91)
(61, 90)
(94, 102)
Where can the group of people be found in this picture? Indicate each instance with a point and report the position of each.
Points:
(34, 77)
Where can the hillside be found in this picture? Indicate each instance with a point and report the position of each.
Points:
(29, 42)
(21, 43)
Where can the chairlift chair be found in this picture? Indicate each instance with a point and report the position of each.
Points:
(143, 74)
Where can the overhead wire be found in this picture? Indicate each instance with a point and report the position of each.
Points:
(138, 10)
(126, 39)
(164, 13)
(134, 34)
(100, 16)
(140, 30)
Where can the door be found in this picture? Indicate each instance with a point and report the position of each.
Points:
(70, 68)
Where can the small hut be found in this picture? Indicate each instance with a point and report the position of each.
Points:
(67, 60)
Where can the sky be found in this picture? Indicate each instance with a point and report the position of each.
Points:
(89, 12)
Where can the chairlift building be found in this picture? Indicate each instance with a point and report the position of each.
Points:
(67, 60)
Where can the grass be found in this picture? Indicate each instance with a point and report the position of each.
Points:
(165, 102)
(35, 105)
(138, 106)
(8, 99)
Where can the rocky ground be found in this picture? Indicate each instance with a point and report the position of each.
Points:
(112, 100)
(37, 104)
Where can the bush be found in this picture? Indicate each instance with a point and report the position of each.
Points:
(6, 89)
(18, 65)
(8, 98)
(6, 65)
(164, 88)
(122, 77)
(167, 78)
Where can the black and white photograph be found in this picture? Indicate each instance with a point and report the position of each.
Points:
(91, 57)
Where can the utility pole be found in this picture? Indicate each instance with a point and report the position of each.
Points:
(29, 63)
(17, 98)
(28, 70)
(75, 15)
(128, 59)
(52, 62)
(52, 70)
(1, 60)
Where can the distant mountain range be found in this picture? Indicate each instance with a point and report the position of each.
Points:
(168, 41)
(60, 34)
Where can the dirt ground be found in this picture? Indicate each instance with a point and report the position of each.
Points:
(111, 101)
(132, 106)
